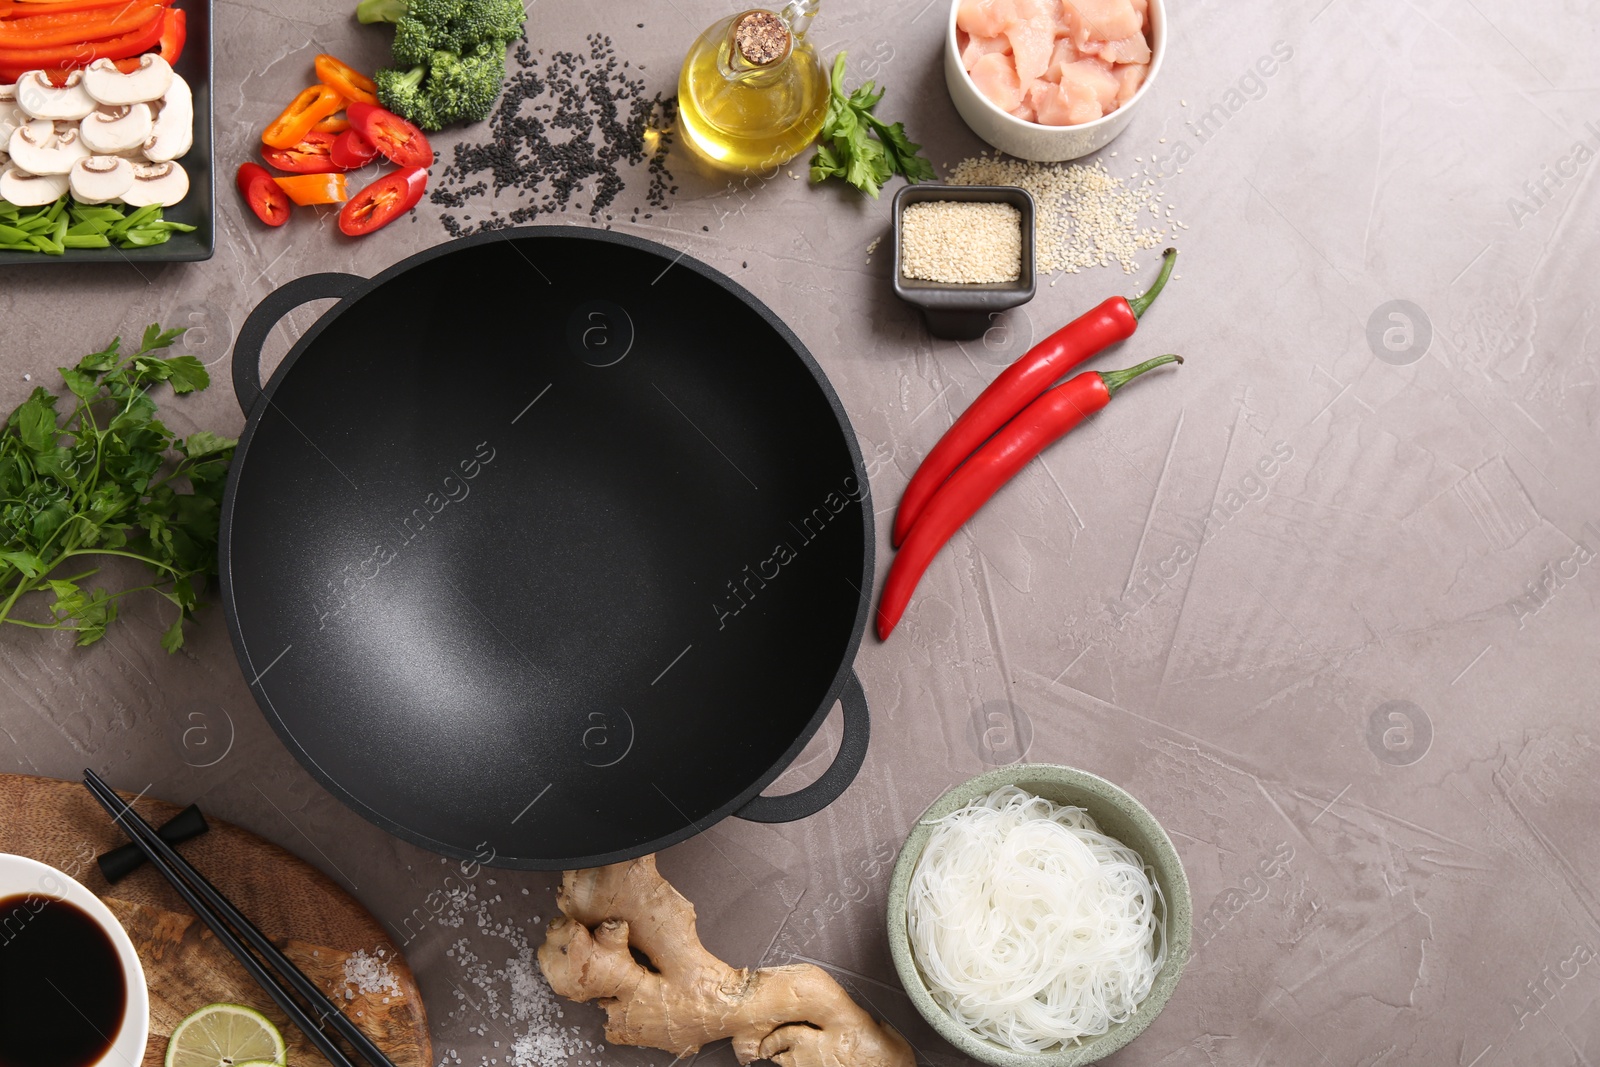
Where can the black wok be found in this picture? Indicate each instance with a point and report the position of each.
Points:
(549, 545)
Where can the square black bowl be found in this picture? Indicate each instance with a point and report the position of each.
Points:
(956, 311)
(198, 208)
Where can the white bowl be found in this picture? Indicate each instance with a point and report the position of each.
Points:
(20, 876)
(1031, 140)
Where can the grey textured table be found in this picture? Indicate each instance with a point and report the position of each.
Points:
(1361, 699)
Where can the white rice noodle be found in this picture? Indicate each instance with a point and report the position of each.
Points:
(1033, 929)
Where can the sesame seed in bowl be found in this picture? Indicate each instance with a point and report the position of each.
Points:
(963, 254)
(961, 242)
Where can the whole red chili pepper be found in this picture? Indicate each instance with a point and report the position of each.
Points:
(1040, 424)
(1018, 385)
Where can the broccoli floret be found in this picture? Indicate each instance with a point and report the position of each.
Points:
(451, 56)
(487, 20)
(401, 92)
(427, 26)
(463, 88)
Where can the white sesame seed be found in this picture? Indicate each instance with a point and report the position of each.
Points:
(961, 243)
(1084, 215)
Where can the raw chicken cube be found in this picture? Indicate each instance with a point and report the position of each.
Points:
(1031, 45)
(1065, 52)
(977, 47)
(985, 18)
(1133, 49)
(995, 75)
(1064, 104)
(1101, 20)
(1129, 79)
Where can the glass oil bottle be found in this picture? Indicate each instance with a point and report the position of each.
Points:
(752, 94)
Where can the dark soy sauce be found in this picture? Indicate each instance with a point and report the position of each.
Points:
(62, 994)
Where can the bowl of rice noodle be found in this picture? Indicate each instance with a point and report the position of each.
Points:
(1039, 916)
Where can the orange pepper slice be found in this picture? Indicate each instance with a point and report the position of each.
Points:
(345, 79)
(309, 108)
(332, 124)
(306, 189)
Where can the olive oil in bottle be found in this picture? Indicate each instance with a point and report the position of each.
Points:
(752, 94)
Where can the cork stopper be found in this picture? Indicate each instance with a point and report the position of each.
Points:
(762, 38)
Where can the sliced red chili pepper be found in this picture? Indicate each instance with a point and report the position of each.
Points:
(75, 27)
(14, 62)
(306, 189)
(261, 193)
(1114, 320)
(345, 79)
(313, 155)
(383, 201)
(351, 150)
(398, 140)
(309, 108)
(1038, 426)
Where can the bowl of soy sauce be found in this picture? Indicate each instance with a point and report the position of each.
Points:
(72, 990)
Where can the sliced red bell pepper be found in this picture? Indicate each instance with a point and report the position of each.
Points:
(305, 189)
(174, 31)
(383, 201)
(15, 62)
(313, 155)
(76, 27)
(261, 193)
(14, 10)
(345, 79)
(309, 108)
(399, 141)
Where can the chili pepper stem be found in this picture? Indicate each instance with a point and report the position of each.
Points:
(1140, 304)
(1116, 379)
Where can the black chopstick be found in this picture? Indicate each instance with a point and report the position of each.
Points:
(217, 912)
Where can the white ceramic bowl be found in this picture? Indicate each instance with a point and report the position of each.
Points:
(20, 876)
(1031, 140)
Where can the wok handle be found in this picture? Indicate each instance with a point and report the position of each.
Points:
(836, 779)
(278, 303)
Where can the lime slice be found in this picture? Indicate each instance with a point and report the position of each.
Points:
(225, 1035)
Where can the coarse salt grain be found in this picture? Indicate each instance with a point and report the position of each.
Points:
(514, 999)
(369, 974)
(961, 243)
(1084, 216)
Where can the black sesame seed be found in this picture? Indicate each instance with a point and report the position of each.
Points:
(566, 124)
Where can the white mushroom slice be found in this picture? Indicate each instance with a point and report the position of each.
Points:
(11, 117)
(157, 183)
(108, 85)
(173, 133)
(31, 190)
(8, 93)
(41, 99)
(110, 130)
(101, 179)
(39, 149)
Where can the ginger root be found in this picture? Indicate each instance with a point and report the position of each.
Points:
(684, 997)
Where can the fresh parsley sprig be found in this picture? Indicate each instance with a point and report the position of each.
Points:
(846, 149)
(107, 479)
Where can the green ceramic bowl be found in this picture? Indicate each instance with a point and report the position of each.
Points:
(1119, 815)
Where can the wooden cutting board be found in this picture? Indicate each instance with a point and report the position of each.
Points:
(315, 922)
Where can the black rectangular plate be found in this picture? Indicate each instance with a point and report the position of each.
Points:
(198, 208)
